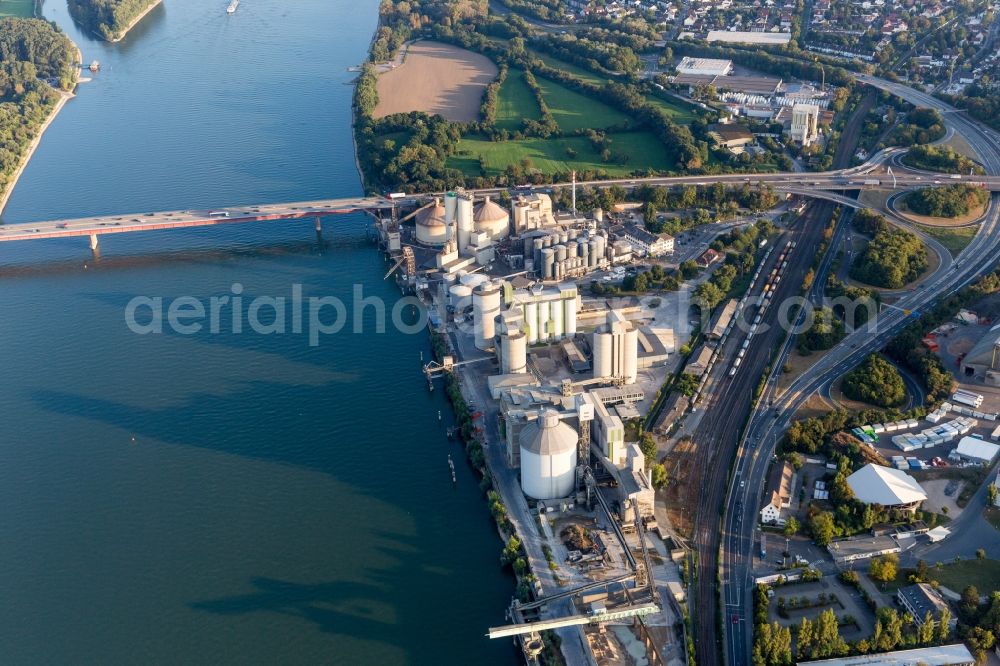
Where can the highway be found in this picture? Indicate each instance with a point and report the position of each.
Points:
(767, 422)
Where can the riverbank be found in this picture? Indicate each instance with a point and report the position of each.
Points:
(119, 37)
(63, 98)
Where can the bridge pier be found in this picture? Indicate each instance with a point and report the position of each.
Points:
(93, 242)
(319, 224)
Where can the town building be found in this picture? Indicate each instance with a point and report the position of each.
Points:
(855, 549)
(943, 655)
(778, 493)
(733, 137)
(875, 484)
(649, 244)
(920, 599)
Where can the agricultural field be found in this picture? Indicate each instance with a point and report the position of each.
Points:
(515, 102)
(573, 111)
(570, 68)
(20, 8)
(551, 156)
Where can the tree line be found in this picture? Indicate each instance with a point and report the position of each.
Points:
(108, 18)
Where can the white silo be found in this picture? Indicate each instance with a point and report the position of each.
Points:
(561, 253)
(473, 280)
(548, 457)
(513, 352)
(548, 263)
(603, 346)
(450, 204)
(485, 308)
(463, 221)
(492, 219)
(543, 321)
(593, 254)
(630, 356)
(567, 294)
(531, 321)
(556, 315)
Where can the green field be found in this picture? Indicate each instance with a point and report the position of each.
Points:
(954, 238)
(681, 114)
(550, 155)
(985, 575)
(569, 68)
(22, 8)
(515, 102)
(573, 111)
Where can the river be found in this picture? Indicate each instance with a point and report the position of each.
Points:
(223, 497)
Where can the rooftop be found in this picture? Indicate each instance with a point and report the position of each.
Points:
(943, 655)
(874, 484)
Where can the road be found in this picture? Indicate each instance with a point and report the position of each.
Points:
(757, 447)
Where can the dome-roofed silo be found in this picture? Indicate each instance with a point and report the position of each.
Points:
(548, 457)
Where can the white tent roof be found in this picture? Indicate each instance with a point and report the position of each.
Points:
(973, 447)
(874, 484)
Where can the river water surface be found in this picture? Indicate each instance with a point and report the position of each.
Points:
(222, 498)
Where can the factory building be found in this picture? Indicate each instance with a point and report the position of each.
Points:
(548, 457)
(805, 124)
(616, 349)
(549, 312)
(532, 211)
(704, 66)
(983, 360)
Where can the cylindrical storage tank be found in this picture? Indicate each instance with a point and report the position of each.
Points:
(563, 237)
(630, 356)
(602, 248)
(546, 241)
(556, 314)
(514, 353)
(573, 233)
(569, 304)
(431, 226)
(485, 308)
(599, 214)
(548, 457)
(582, 248)
(602, 355)
(594, 253)
(543, 321)
(473, 280)
(548, 263)
(560, 252)
(450, 204)
(531, 321)
(492, 219)
(463, 220)
(460, 297)
(558, 273)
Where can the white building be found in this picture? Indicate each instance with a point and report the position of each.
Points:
(744, 37)
(805, 123)
(616, 349)
(533, 211)
(549, 312)
(942, 655)
(975, 450)
(705, 66)
(778, 494)
(875, 484)
(649, 244)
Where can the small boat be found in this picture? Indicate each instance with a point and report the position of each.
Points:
(95, 66)
(231, 9)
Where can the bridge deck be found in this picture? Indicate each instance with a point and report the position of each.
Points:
(179, 219)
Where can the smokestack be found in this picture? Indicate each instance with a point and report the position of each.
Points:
(574, 193)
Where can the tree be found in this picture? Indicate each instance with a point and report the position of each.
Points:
(648, 446)
(991, 494)
(969, 603)
(660, 479)
(791, 526)
(944, 622)
(883, 569)
(828, 642)
(875, 381)
(822, 527)
(888, 630)
(707, 295)
(925, 630)
(980, 554)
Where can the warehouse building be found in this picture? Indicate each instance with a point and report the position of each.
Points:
(875, 484)
(975, 450)
(705, 66)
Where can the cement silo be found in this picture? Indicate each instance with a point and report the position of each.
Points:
(616, 349)
(568, 300)
(548, 457)
(473, 280)
(492, 219)
(513, 352)
(602, 347)
(485, 308)
(459, 297)
(548, 263)
(561, 253)
(432, 228)
(450, 204)
(556, 316)
(593, 254)
(543, 321)
(463, 221)
(531, 321)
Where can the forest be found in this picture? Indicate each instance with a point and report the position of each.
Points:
(109, 19)
(34, 57)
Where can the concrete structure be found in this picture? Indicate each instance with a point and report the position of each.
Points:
(778, 494)
(616, 349)
(805, 124)
(549, 312)
(945, 655)
(548, 457)
(874, 484)
(920, 599)
(723, 320)
(607, 430)
(485, 308)
(705, 66)
(432, 227)
(512, 350)
(491, 219)
(652, 245)
(532, 211)
(983, 360)
(973, 449)
(463, 221)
